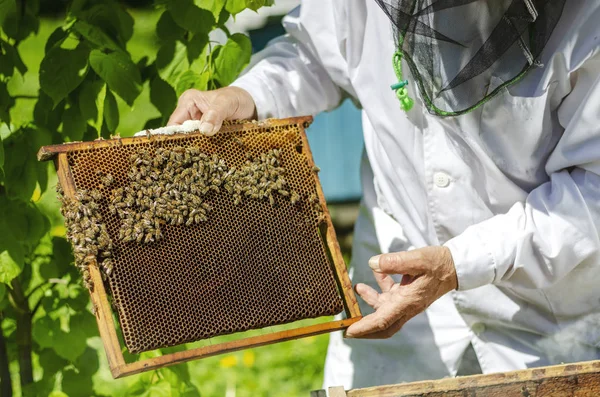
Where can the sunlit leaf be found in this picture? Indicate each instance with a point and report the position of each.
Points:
(171, 61)
(191, 79)
(214, 6)
(233, 58)
(119, 72)
(61, 71)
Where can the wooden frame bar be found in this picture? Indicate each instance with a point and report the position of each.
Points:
(103, 312)
(578, 379)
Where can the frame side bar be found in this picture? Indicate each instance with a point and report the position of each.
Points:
(334, 248)
(103, 313)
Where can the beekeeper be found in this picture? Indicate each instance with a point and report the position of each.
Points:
(481, 177)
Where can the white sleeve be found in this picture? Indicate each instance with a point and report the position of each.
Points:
(556, 229)
(303, 72)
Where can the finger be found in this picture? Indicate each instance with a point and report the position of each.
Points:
(185, 110)
(368, 294)
(384, 281)
(380, 321)
(218, 110)
(388, 333)
(408, 262)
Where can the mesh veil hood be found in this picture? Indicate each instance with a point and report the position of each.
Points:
(463, 52)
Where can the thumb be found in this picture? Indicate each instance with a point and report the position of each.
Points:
(212, 119)
(408, 262)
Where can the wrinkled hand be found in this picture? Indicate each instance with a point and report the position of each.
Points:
(428, 273)
(212, 107)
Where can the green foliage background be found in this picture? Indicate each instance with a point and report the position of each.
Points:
(98, 69)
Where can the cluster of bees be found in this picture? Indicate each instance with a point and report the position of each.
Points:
(170, 187)
(86, 232)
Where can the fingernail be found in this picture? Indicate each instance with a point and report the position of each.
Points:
(374, 262)
(206, 128)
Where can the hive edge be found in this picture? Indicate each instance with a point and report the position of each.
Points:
(46, 153)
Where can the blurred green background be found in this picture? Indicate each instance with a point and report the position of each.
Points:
(285, 369)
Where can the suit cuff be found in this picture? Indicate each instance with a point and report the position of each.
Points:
(259, 90)
(474, 262)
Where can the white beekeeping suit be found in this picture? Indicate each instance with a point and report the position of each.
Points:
(512, 188)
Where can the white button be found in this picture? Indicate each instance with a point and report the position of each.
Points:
(478, 328)
(441, 179)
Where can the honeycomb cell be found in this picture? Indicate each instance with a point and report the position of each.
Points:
(249, 266)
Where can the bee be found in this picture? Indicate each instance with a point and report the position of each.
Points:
(283, 192)
(316, 169)
(271, 200)
(107, 265)
(107, 180)
(294, 198)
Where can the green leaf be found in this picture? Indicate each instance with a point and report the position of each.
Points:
(111, 112)
(10, 266)
(95, 36)
(74, 124)
(7, 7)
(214, 6)
(191, 17)
(6, 102)
(119, 72)
(197, 46)
(162, 96)
(26, 223)
(88, 94)
(19, 168)
(47, 332)
(235, 6)
(19, 27)
(233, 58)
(57, 393)
(11, 253)
(16, 58)
(100, 106)
(61, 71)
(111, 18)
(51, 362)
(167, 29)
(1, 156)
(171, 61)
(55, 39)
(190, 79)
(2, 292)
(46, 116)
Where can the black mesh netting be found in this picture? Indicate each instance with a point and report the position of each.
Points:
(462, 52)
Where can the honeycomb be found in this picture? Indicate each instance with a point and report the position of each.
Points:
(250, 266)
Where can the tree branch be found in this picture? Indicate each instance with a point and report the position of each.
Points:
(5, 382)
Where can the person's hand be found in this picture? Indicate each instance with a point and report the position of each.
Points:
(427, 274)
(212, 107)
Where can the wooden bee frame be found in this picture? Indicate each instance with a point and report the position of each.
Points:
(104, 313)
